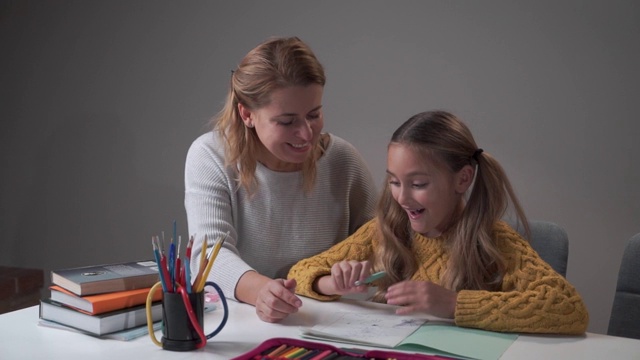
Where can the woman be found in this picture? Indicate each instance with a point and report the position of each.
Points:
(269, 176)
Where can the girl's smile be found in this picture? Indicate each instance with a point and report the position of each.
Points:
(428, 191)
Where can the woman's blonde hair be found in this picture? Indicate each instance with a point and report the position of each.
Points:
(274, 64)
(474, 262)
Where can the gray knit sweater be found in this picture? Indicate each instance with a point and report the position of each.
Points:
(280, 224)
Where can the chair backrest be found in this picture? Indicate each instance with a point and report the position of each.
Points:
(550, 241)
(625, 315)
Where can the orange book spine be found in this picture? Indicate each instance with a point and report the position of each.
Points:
(106, 302)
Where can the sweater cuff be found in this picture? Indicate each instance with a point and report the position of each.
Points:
(304, 287)
(468, 307)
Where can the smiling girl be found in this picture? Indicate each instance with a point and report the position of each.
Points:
(439, 236)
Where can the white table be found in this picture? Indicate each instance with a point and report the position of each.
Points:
(22, 338)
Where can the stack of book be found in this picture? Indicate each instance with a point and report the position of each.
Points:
(103, 299)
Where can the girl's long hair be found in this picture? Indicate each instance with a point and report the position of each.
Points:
(474, 261)
(275, 64)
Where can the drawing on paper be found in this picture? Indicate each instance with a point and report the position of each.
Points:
(376, 328)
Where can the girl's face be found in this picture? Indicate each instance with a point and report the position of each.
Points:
(429, 192)
(288, 127)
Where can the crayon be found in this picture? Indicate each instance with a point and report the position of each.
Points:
(296, 354)
(291, 350)
(333, 355)
(322, 355)
(277, 350)
(310, 354)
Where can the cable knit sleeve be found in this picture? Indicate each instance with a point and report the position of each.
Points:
(357, 247)
(534, 298)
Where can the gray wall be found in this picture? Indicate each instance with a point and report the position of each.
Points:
(99, 101)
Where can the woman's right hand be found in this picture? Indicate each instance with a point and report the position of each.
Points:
(276, 300)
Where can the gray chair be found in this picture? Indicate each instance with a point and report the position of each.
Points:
(625, 315)
(550, 241)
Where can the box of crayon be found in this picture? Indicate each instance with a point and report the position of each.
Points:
(287, 349)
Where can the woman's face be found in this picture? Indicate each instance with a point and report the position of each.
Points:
(288, 127)
(428, 192)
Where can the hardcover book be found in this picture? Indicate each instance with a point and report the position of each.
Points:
(100, 324)
(102, 303)
(98, 279)
(123, 335)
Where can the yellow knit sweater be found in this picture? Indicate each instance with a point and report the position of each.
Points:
(533, 299)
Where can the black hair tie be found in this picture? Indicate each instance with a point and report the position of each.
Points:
(476, 154)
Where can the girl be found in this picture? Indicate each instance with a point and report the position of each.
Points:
(445, 254)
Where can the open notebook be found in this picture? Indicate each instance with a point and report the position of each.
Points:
(411, 334)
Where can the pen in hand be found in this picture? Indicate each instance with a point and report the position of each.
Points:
(371, 278)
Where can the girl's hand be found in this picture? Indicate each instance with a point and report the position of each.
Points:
(343, 277)
(423, 296)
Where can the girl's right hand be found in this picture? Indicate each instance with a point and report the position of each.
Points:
(343, 277)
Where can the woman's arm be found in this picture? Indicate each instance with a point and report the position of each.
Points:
(209, 203)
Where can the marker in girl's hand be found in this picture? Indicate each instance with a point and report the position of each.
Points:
(371, 278)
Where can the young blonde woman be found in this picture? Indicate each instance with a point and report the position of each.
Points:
(269, 176)
(439, 237)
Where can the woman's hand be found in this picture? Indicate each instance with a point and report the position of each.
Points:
(343, 277)
(424, 296)
(276, 300)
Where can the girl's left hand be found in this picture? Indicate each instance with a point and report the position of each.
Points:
(423, 296)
